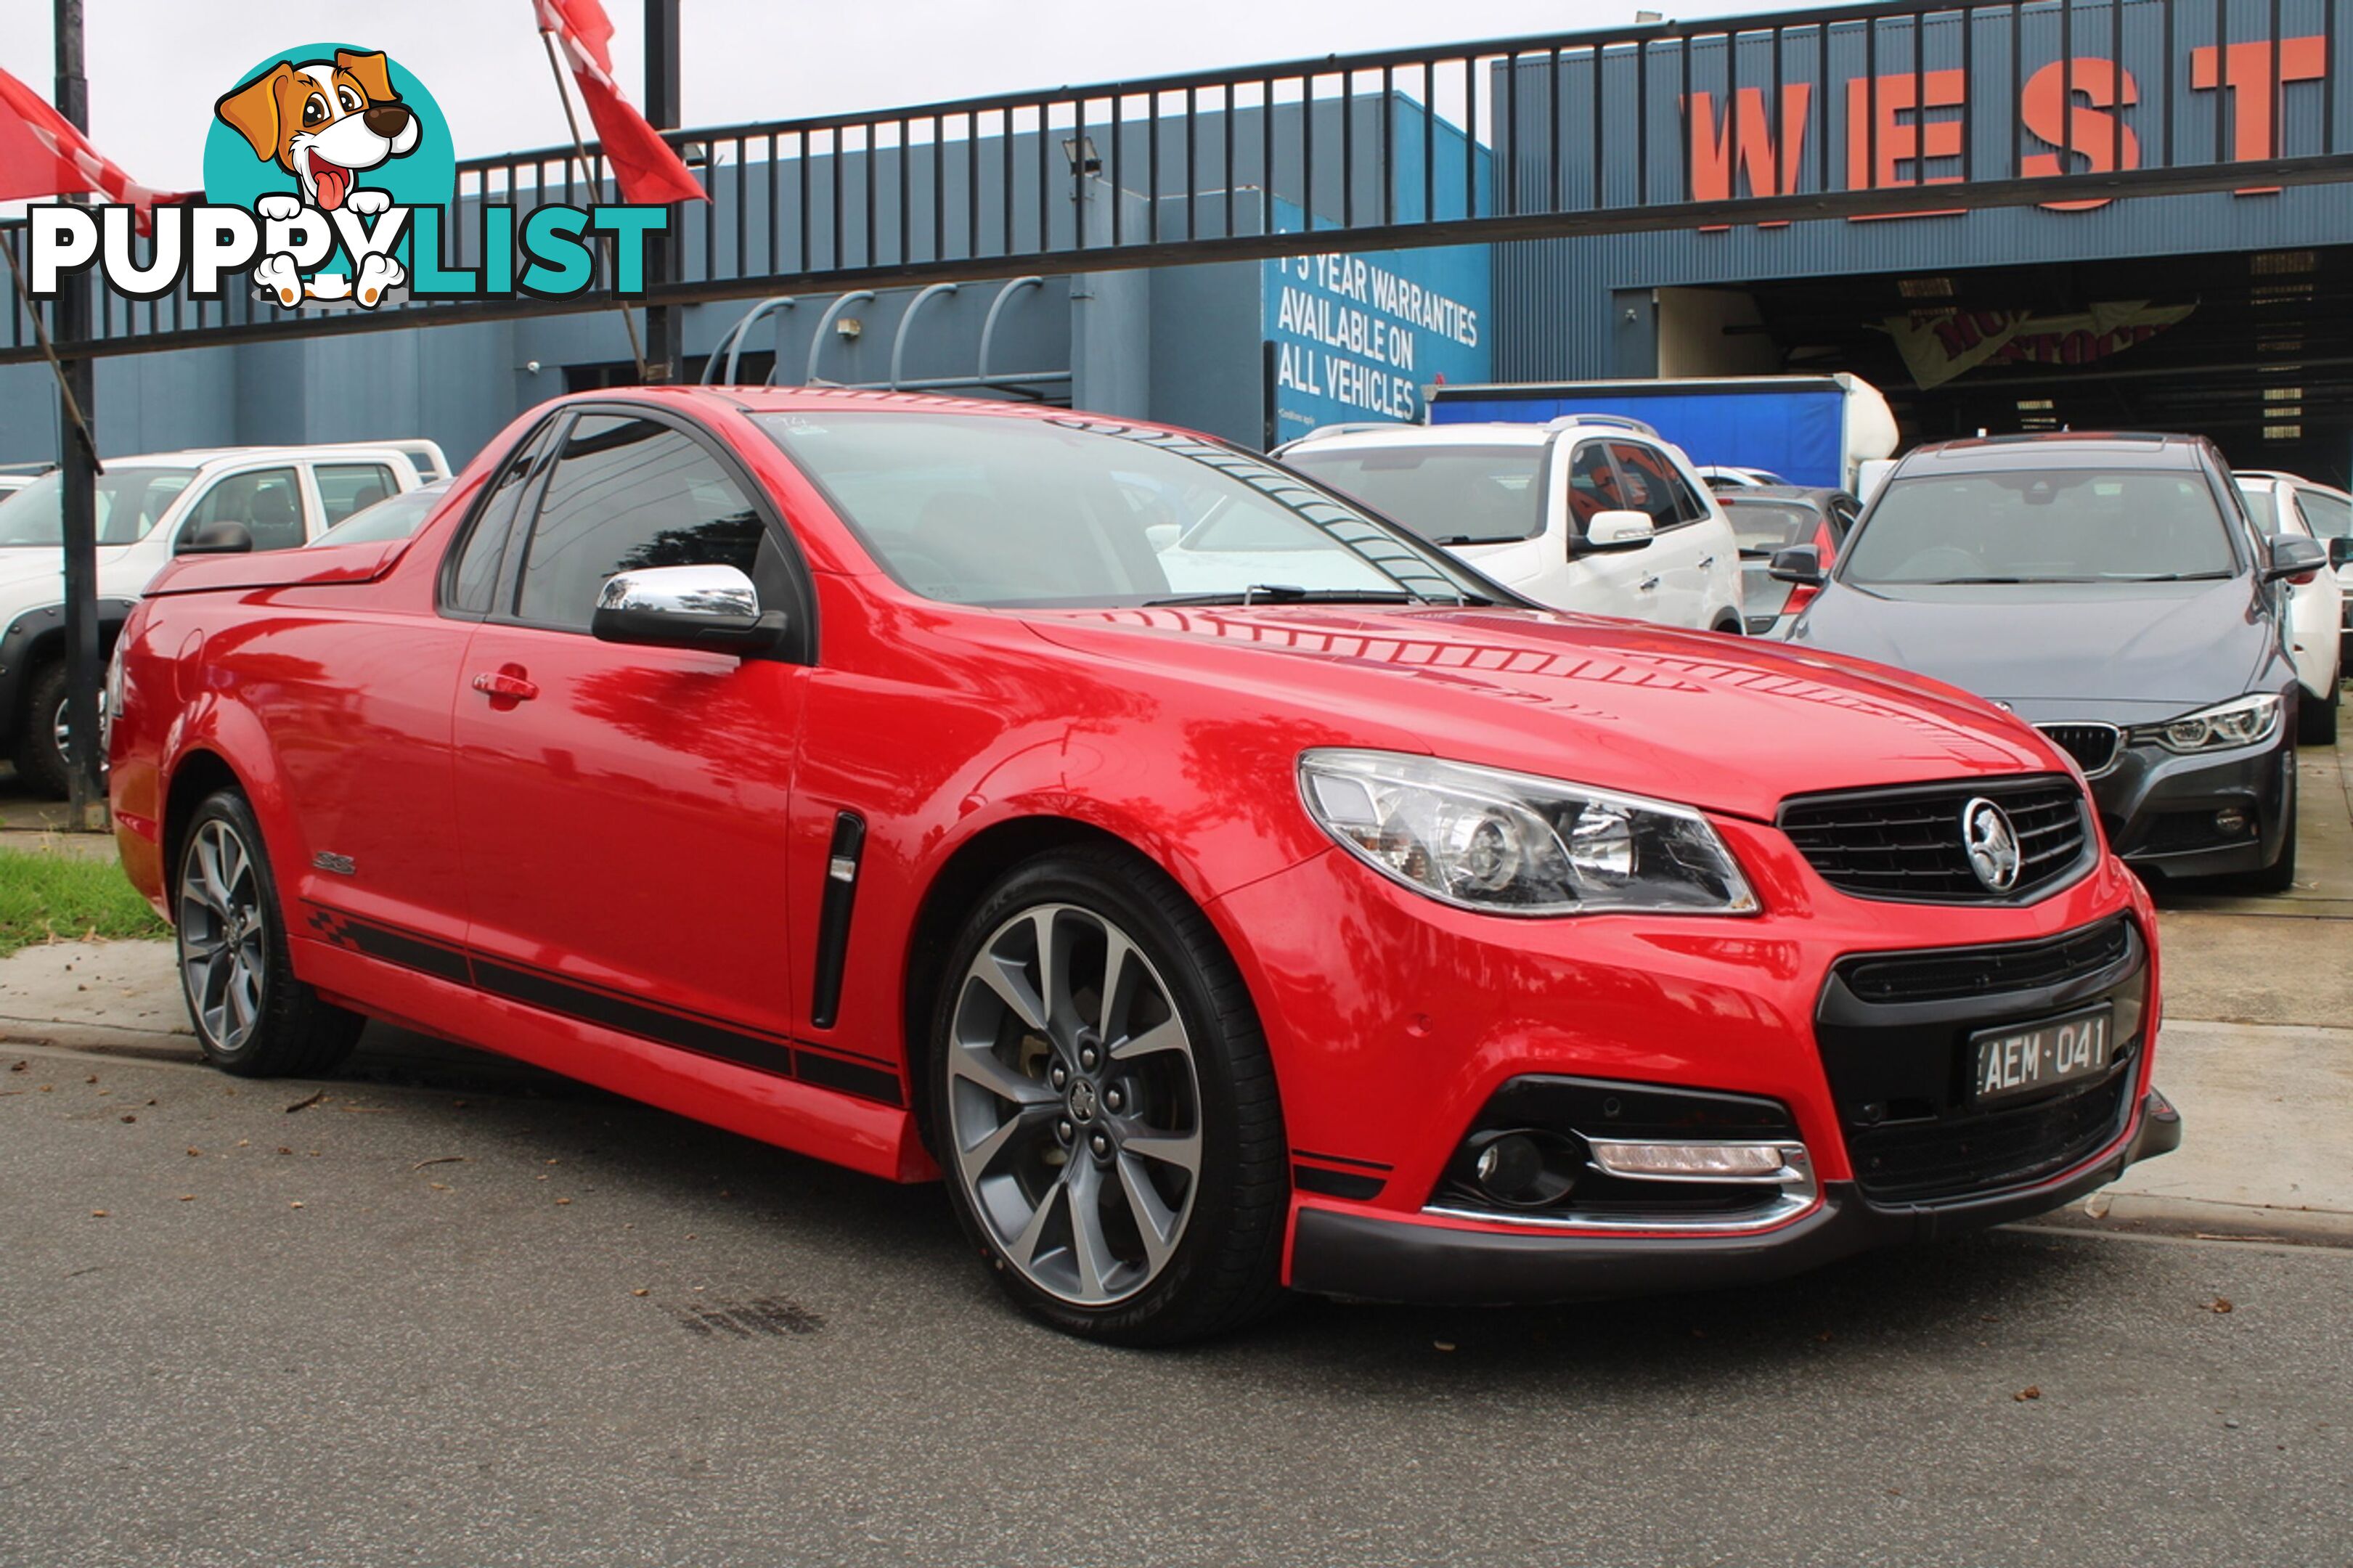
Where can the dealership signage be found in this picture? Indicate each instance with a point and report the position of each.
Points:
(1356, 337)
(2087, 115)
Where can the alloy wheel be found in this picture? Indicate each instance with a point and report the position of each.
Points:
(222, 935)
(1073, 1105)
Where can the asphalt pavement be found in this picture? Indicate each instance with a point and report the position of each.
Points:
(510, 1322)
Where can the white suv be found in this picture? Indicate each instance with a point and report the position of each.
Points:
(2321, 607)
(281, 496)
(1590, 512)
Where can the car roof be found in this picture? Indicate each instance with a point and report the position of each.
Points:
(1469, 433)
(2055, 449)
(208, 457)
(1815, 495)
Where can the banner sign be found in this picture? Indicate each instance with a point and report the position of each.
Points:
(1938, 348)
(1355, 337)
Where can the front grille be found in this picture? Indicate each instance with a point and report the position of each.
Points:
(1896, 1032)
(1906, 843)
(2094, 746)
(1934, 977)
(1932, 1159)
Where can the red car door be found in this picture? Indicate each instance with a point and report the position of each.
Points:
(622, 809)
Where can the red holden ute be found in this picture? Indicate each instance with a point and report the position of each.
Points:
(1220, 888)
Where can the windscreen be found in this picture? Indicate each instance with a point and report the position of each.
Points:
(1449, 495)
(1764, 527)
(2042, 525)
(395, 517)
(131, 501)
(1001, 511)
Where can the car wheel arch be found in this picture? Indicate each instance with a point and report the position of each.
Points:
(195, 777)
(956, 888)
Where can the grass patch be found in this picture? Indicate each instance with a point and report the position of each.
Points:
(44, 896)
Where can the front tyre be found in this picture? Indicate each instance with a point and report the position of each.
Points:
(1103, 1106)
(2316, 720)
(253, 1017)
(40, 754)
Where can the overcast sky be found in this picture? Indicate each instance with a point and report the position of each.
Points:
(155, 67)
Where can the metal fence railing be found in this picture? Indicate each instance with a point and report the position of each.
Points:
(1850, 112)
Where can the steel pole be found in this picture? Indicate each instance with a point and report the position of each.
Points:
(77, 464)
(666, 257)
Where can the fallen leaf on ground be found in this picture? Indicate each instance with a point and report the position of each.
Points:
(304, 1104)
(439, 1160)
(295, 1204)
(2029, 1392)
(2219, 1304)
(187, 1197)
(98, 1214)
(640, 1292)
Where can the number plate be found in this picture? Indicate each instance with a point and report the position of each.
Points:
(2008, 1063)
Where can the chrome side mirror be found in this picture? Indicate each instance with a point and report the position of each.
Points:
(226, 537)
(713, 608)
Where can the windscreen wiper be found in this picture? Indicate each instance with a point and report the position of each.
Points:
(1289, 593)
(1982, 582)
(2163, 576)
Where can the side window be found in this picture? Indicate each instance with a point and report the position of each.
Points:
(472, 579)
(1592, 485)
(627, 494)
(347, 488)
(2331, 517)
(1651, 484)
(269, 501)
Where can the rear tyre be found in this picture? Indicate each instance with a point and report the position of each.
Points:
(2315, 721)
(1103, 1106)
(40, 751)
(253, 1017)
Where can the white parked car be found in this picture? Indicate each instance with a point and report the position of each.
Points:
(2318, 607)
(1720, 476)
(148, 508)
(1590, 513)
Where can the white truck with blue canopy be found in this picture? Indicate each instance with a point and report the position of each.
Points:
(1814, 431)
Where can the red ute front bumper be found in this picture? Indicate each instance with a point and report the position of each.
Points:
(1404, 1031)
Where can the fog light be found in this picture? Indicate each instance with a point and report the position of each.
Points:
(1702, 1161)
(2230, 821)
(1526, 1169)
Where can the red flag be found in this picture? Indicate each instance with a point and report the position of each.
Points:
(642, 163)
(42, 155)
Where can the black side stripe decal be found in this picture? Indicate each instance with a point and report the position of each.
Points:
(631, 1018)
(704, 1037)
(393, 946)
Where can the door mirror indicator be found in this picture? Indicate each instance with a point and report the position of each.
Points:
(1625, 529)
(713, 608)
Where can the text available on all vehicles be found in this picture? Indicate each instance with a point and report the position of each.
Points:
(1357, 928)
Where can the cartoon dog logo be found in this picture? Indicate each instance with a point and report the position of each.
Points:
(326, 123)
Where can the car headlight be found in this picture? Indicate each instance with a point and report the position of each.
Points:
(1507, 843)
(2242, 722)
